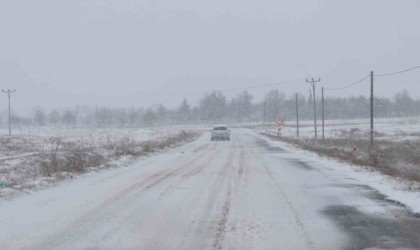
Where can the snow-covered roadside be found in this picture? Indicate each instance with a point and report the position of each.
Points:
(391, 187)
(55, 156)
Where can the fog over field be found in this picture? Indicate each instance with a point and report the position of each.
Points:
(140, 53)
(218, 124)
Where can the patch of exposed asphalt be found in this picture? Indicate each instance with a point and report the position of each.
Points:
(396, 229)
(373, 231)
(263, 143)
(302, 164)
(273, 149)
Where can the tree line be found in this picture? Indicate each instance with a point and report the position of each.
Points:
(215, 107)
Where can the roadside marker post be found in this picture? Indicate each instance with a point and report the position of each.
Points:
(279, 123)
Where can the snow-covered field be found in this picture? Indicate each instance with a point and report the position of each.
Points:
(396, 129)
(25, 156)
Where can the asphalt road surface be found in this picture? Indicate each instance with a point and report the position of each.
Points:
(241, 194)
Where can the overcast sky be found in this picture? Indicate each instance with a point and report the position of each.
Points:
(143, 52)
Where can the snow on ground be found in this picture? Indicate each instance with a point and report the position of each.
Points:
(31, 140)
(248, 193)
(69, 134)
(21, 154)
(396, 129)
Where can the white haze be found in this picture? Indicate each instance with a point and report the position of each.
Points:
(139, 53)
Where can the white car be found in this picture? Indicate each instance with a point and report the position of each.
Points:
(220, 132)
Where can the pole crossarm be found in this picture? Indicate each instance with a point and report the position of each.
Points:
(9, 91)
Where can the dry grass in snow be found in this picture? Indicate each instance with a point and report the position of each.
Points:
(33, 161)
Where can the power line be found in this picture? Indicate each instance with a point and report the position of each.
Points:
(399, 72)
(349, 85)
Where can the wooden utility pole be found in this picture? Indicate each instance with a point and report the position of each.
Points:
(323, 115)
(371, 116)
(313, 84)
(9, 93)
(297, 115)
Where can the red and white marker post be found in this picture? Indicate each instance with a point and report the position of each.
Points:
(279, 124)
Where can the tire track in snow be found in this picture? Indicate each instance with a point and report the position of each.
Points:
(223, 222)
(162, 217)
(204, 221)
(104, 209)
(207, 159)
(237, 168)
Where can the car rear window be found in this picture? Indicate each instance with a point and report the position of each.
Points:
(220, 128)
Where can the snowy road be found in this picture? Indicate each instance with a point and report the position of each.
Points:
(242, 194)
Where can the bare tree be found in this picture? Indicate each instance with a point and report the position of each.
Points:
(183, 114)
(213, 106)
(150, 117)
(68, 117)
(39, 117)
(54, 117)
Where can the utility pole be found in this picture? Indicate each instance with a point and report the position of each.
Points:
(313, 84)
(371, 116)
(75, 117)
(323, 116)
(9, 93)
(297, 115)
